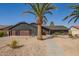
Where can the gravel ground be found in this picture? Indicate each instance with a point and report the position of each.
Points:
(70, 46)
(52, 46)
(32, 47)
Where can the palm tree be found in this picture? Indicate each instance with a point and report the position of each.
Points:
(40, 11)
(73, 15)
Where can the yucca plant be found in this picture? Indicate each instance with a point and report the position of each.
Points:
(40, 10)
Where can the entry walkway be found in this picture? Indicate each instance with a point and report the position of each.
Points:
(52, 48)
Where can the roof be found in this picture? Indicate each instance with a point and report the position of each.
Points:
(6, 28)
(21, 23)
(77, 26)
(35, 25)
(57, 27)
(3, 26)
(12, 26)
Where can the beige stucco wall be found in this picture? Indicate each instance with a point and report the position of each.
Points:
(74, 31)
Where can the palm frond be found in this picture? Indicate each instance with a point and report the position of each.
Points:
(48, 12)
(71, 19)
(45, 18)
(76, 12)
(46, 5)
(66, 17)
(29, 12)
(74, 6)
(44, 21)
(51, 8)
(38, 7)
(71, 15)
(33, 7)
(76, 19)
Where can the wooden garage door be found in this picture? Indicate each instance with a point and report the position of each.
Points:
(25, 32)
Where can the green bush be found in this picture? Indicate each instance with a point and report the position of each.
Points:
(1, 34)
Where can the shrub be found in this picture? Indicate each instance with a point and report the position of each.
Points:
(70, 35)
(1, 34)
(76, 35)
(13, 44)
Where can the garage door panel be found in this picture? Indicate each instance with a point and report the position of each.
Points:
(25, 32)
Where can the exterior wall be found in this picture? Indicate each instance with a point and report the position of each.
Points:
(13, 33)
(74, 31)
(20, 33)
(25, 27)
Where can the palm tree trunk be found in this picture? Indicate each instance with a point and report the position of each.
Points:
(39, 26)
(39, 34)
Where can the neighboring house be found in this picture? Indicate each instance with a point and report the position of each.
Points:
(2, 28)
(22, 29)
(74, 30)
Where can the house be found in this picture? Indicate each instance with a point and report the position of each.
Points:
(22, 29)
(26, 29)
(74, 30)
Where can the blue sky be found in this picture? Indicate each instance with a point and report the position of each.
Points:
(12, 13)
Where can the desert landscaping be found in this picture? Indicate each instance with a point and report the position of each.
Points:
(60, 45)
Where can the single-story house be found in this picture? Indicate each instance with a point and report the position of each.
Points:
(22, 29)
(25, 29)
(74, 30)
